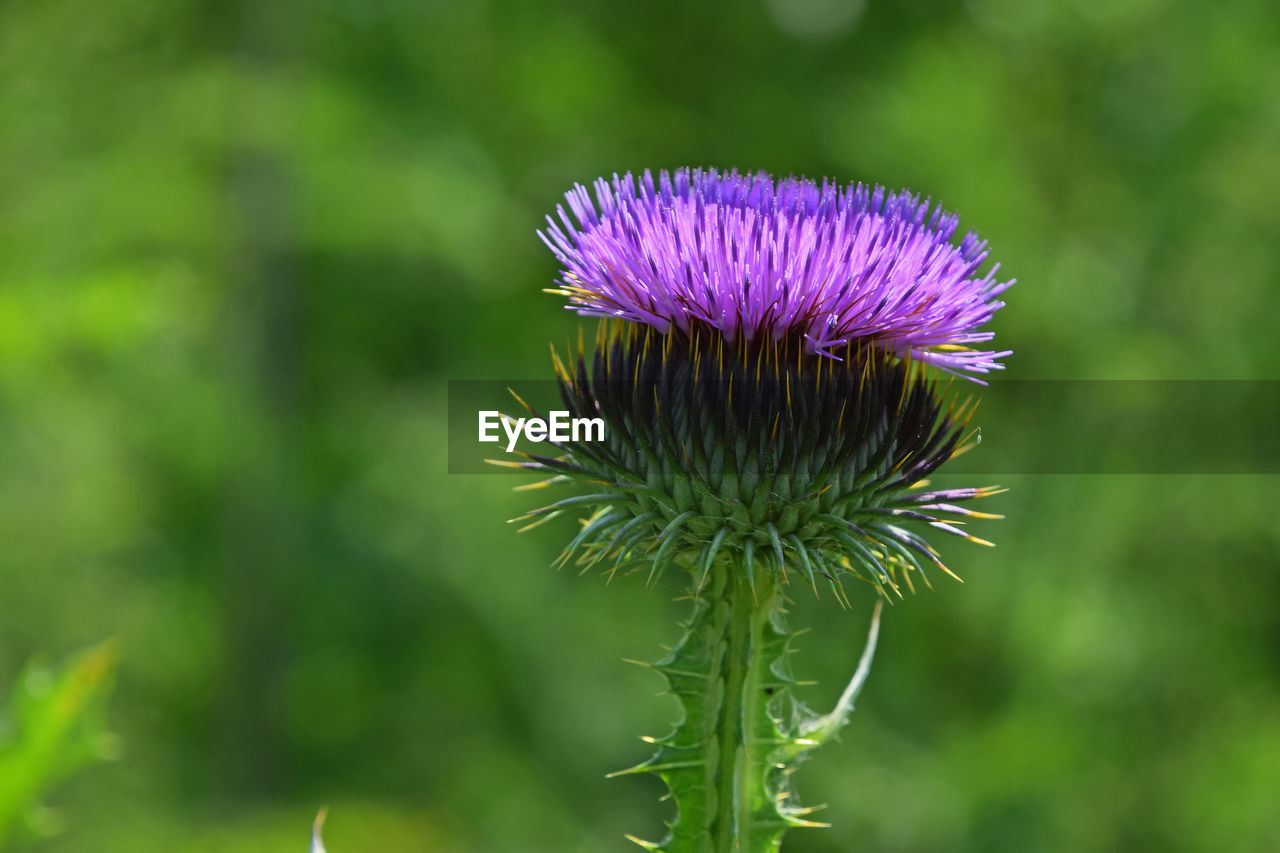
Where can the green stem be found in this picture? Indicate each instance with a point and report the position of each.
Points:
(739, 781)
(718, 761)
(729, 761)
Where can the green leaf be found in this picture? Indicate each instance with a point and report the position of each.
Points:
(55, 730)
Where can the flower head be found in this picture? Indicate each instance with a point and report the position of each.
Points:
(756, 259)
(763, 373)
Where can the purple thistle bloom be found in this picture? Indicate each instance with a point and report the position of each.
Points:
(752, 258)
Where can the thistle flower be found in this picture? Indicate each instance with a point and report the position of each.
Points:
(767, 370)
(754, 260)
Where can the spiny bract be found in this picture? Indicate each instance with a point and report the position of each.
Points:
(758, 451)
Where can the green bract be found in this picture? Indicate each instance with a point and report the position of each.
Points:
(756, 454)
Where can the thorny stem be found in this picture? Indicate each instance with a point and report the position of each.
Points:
(729, 761)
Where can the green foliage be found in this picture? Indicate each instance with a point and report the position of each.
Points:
(52, 728)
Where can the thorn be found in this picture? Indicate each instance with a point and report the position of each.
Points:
(521, 401)
(505, 463)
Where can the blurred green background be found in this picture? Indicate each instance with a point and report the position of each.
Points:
(244, 245)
